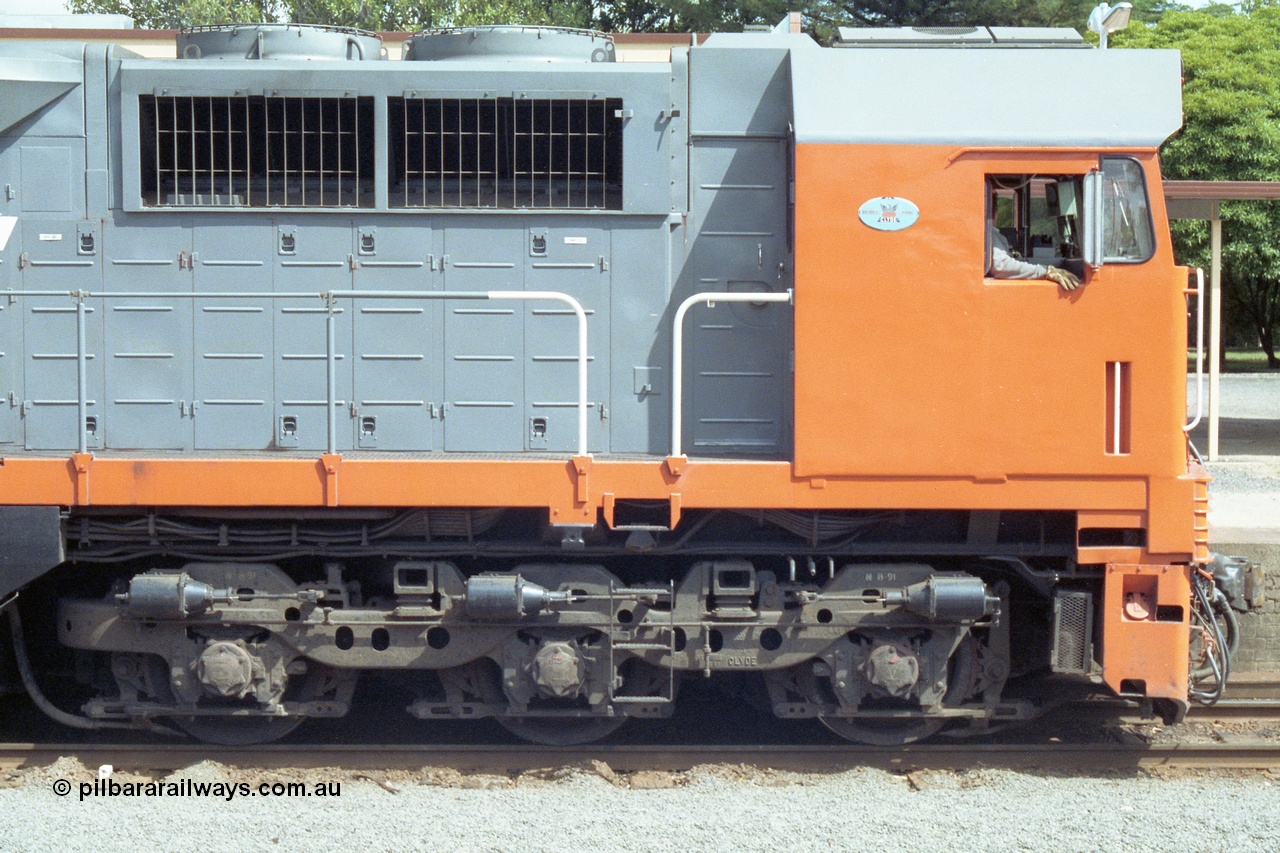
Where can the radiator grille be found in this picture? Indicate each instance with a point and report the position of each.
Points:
(506, 153)
(1072, 632)
(257, 151)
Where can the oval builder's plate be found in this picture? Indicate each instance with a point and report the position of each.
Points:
(889, 213)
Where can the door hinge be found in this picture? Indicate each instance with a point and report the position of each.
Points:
(24, 260)
(9, 193)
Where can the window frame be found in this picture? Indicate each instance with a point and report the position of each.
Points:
(1022, 209)
(1146, 199)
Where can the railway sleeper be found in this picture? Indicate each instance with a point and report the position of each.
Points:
(555, 652)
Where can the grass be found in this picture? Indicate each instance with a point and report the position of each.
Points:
(1239, 360)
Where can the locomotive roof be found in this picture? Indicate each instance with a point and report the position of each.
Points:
(1027, 96)
(992, 87)
(998, 86)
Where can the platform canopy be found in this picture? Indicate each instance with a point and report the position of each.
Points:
(1200, 200)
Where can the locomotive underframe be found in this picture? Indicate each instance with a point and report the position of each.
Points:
(564, 640)
(835, 645)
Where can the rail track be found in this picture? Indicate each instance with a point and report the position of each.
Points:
(1255, 700)
(1237, 709)
(626, 758)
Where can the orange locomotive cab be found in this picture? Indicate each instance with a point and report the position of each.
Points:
(1005, 392)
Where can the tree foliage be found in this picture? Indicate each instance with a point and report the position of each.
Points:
(1231, 101)
(609, 15)
(386, 15)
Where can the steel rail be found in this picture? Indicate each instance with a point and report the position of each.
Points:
(1237, 709)
(1261, 709)
(626, 758)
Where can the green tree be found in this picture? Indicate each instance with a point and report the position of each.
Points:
(408, 15)
(1231, 101)
(391, 15)
(175, 14)
(609, 15)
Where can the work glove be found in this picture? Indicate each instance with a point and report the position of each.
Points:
(1065, 280)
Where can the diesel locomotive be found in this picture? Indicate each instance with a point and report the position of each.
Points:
(544, 383)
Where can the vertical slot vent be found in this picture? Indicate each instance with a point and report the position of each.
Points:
(504, 153)
(256, 152)
(1117, 408)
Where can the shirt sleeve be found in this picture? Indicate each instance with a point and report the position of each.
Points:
(1004, 265)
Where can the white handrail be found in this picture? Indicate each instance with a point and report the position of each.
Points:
(677, 349)
(82, 376)
(330, 298)
(1199, 350)
(582, 349)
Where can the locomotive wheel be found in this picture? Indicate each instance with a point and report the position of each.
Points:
(883, 731)
(561, 731)
(251, 731)
(639, 679)
(890, 731)
(238, 731)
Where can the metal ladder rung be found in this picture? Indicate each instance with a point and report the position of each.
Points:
(642, 700)
(658, 647)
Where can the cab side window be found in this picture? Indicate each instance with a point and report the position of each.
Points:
(1127, 232)
(1036, 216)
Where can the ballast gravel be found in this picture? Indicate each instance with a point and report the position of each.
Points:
(714, 808)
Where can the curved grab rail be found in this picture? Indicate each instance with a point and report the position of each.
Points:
(677, 348)
(582, 348)
(1199, 351)
(330, 298)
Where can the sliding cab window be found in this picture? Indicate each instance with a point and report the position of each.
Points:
(1128, 236)
(1035, 219)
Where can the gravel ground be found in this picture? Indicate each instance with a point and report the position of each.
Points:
(1244, 395)
(714, 808)
(1245, 492)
